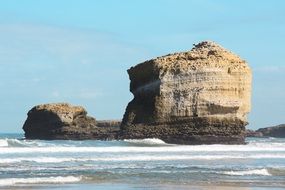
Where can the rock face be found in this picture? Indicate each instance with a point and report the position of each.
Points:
(275, 131)
(109, 123)
(252, 133)
(64, 121)
(196, 97)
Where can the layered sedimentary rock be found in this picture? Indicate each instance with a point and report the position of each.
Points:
(253, 133)
(197, 97)
(64, 121)
(108, 123)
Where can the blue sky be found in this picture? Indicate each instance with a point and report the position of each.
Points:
(79, 51)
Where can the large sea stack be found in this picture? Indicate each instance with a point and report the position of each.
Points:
(197, 97)
(65, 121)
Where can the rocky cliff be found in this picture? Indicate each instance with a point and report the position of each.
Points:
(197, 97)
(64, 121)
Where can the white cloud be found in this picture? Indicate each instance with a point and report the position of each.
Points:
(62, 63)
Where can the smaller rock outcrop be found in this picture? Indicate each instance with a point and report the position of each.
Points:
(64, 121)
(108, 123)
(275, 131)
(253, 133)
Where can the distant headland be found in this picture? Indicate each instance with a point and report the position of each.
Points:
(274, 131)
(197, 97)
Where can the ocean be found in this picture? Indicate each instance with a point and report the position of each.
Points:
(140, 164)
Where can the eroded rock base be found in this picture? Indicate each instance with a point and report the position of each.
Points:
(190, 131)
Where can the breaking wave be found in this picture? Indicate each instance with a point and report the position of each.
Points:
(147, 141)
(138, 149)
(3, 143)
(262, 172)
(39, 180)
(123, 145)
(21, 143)
(139, 158)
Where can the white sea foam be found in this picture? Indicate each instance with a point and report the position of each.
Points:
(18, 143)
(121, 149)
(263, 172)
(138, 158)
(38, 160)
(147, 141)
(3, 143)
(48, 180)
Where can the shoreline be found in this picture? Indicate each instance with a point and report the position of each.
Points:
(132, 186)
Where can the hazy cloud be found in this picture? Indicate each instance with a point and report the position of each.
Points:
(26, 42)
(271, 69)
(76, 94)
